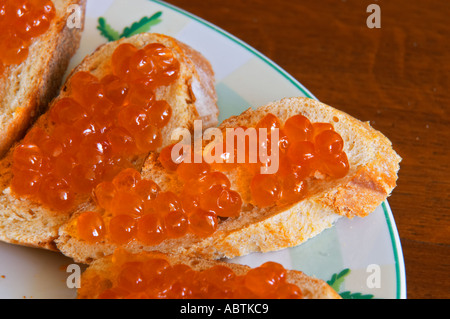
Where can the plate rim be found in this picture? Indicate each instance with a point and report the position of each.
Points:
(396, 249)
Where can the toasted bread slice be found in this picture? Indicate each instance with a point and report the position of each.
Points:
(102, 273)
(192, 96)
(27, 89)
(370, 180)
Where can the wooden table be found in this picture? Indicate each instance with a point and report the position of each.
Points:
(395, 76)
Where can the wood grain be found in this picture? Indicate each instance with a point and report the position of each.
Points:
(396, 77)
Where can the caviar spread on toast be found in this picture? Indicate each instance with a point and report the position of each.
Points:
(131, 208)
(97, 129)
(154, 276)
(21, 21)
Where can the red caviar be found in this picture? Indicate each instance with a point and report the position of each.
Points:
(137, 209)
(304, 148)
(122, 229)
(97, 129)
(91, 227)
(206, 196)
(21, 21)
(141, 276)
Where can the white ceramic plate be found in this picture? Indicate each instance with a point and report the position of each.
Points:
(360, 258)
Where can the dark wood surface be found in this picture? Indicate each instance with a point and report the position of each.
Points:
(397, 77)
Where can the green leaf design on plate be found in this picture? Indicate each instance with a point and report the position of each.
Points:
(336, 281)
(106, 30)
(140, 26)
(354, 295)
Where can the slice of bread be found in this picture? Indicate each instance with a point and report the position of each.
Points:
(27, 89)
(192, 96)
(101, 274)
(370, 180)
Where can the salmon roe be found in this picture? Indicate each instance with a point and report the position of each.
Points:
(133, 208)
(136, 208)
(138, 276)
(97, 130)
(21, 21)
(304, 149)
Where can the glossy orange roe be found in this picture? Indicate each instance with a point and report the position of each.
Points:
(206, 196)
(153, 277)
(90, 227)
(21, 21)
(133, 208)
(304, 148)
(97, 129)
(140, 211)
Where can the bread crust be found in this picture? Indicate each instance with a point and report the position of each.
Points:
(372, 177)
(25, 222)
(49, 57)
